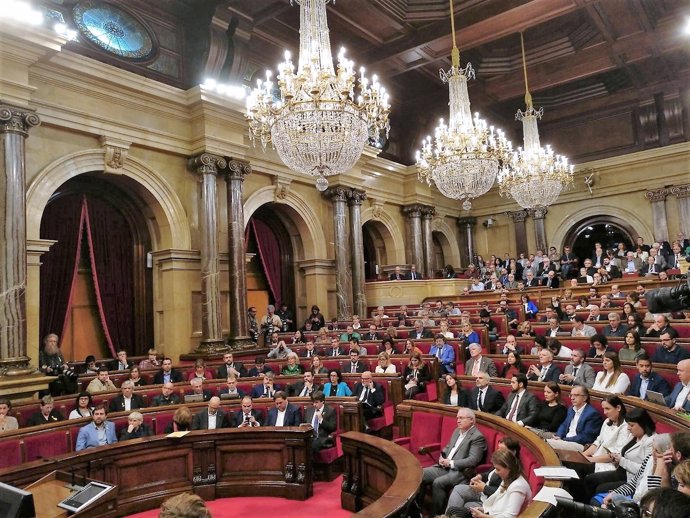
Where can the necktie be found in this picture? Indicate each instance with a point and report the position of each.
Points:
(365, 394)
(479, 401)
(308, 354)
(475, 368)
(543, 373)
(513, 409)
(575, 369)
(315, 423)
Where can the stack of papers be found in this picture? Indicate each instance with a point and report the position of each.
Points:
(556, 472)
(549, 494)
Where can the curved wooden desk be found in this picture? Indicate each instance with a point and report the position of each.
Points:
(264, 461)
(380, 479)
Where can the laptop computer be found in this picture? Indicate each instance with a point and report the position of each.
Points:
(193, 398)
(234, 395)
(656, 397)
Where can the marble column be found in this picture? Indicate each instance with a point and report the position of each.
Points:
(538, 216)
(355, 199)
(427, 241)
(206, 166)
(343, 281)
(467, 224)
(519, 217)
(415, 250)
(682, 192)
(15, 123)
(658, 201)
(239, 328)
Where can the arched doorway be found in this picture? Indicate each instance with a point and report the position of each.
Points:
(96, 289)
(374, 244)
(271, 273)
(607, 230)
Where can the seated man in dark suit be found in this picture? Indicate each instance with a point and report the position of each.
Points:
(371, 394)
(197, 385)
(547, 370)
(420, 331)
(247, 417)
(260, 368)
(521, 406)
(582, 423)
(334, 349)
(646, 379)
(309, 350)
(231, 388)
(120, 363)
(466, 449)
(210, 418)
(484, 397)
(679, 399)
(371, 335)
(397, 275)
(354, 365)
(167, 374)
(230, 367)
(283, 413)
(323, 419)
(266, 389)
(47, 414)
(306, 387)
(127, 400)
(135, 427)
(167, 396)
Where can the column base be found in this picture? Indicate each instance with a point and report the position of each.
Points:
(24, 388)
(241, 343)
(16, 366)
(211, 346)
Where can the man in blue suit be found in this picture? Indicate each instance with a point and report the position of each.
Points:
(98, 432)
(444, 352)
(646, 379)
(582, 424)
(678, 399)
(283, 414)
(267, 389)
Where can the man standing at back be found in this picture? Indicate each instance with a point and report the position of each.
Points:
(466, 449)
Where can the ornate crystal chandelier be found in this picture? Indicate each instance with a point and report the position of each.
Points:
(464, 156)
(535, 176)
(320, 124)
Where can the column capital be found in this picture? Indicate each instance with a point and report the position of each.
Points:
(336, 193)
(467, 221)
(657, 195)
(356, 197)
(237, 169)
(681, 191)
(14, 119)
(518, 216)
(206, 163)
(428, 212)
(539, 213)
(412, 211)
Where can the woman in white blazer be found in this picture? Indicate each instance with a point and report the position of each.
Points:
(512, 495)
(613, 437)
(630, 458)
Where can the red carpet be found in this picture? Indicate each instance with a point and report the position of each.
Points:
(325, 502)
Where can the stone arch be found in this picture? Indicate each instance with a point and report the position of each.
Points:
(640, 226)
(301, 215)
(448, 241)
(168, 224)
(390, 233)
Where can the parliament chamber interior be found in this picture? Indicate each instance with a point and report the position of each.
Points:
(242, 274)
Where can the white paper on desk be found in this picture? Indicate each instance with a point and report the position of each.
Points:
(549, 494)
(556, 472)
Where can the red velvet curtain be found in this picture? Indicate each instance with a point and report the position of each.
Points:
(269, 255)
(111, 256)
(61, 222)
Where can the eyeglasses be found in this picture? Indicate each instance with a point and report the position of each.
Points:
(577, 395)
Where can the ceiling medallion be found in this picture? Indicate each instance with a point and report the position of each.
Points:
(114, 30)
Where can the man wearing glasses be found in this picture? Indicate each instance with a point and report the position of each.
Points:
(466, 449)
(582, 424)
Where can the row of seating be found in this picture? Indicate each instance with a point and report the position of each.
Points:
(47, 441)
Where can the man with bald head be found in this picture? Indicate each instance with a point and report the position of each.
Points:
(167, 396)
(210, 418)
(679, 398)
(466, 449)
